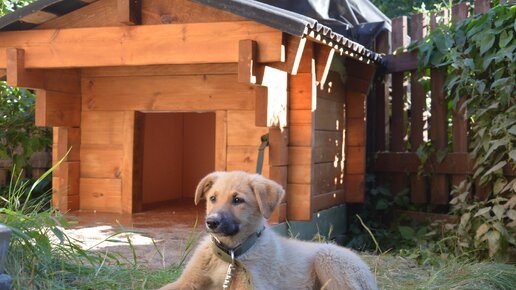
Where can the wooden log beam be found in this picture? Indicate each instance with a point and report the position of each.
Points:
(247, 61)
(294, 49)
(56, 109)
(261, 106)
(61, 80)
(17, 74)
(323, 58)
(129, 12)
(141, 45)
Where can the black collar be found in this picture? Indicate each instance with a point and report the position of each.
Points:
(224, 253)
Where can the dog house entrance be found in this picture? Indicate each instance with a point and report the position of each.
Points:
(173, 151)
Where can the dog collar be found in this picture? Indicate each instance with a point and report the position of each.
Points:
(224, 253)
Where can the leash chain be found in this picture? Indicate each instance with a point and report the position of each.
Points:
(229, 273)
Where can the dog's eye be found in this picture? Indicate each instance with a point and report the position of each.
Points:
(237, 200)
(213, 198)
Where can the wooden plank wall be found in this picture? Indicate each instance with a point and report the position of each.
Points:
(328, 159)
(112, 96)
(399, 161)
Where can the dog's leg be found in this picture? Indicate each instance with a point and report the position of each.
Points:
(340, 269)
(194, 275)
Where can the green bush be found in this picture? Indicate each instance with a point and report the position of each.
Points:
(479, 54)
(19, 137)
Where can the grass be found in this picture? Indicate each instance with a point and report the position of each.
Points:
(43, 256)
(395, 272)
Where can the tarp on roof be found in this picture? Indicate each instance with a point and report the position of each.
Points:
(358, 20)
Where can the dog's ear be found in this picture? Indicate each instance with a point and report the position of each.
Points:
(268, 194)
(204, 185)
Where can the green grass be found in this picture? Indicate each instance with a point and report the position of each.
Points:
(42, 256)
(395, 272)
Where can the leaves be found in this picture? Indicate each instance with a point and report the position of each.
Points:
(407, 233)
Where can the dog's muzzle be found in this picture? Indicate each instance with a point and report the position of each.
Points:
(220, 223)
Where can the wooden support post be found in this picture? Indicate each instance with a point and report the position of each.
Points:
(278, 166)
(459, 114)
(439, 133)
(17, 75)
(129, 11)
(261, 106)
(358, 83)
(302, 103)
(65, 179)
(247, 65)
(418, 99)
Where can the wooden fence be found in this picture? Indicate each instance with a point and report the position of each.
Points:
(401, 123)
(39, 162)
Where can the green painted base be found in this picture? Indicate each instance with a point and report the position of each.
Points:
(327, 224)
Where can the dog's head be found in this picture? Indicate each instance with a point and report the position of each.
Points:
(237, 202)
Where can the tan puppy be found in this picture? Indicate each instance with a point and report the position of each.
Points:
(237, 207)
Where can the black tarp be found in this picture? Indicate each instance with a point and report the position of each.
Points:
(358, 20)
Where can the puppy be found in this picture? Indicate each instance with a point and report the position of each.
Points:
(237, 206)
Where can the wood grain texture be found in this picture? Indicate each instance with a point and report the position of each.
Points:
(129, 11)
(141, 45)
(128, 195)
(242, 129)
(221, 136)
(327, 200)
(162, 70)
(245, 158)
(439, 133)
(200, 92)
(100, 194)
(64, 139)
(97, 14)
(299, 199)
(278, 146)
(102, 127)
(101, 161)
(183, 11)
(57, 109)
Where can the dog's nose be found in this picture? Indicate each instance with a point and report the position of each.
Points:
(212, 222)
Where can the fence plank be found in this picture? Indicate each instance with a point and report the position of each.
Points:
(453, 163)
(435, 21)
(381, 98)
(418, 28)
(439, 133)
(482, 6)
(459, 119)
(399, 39)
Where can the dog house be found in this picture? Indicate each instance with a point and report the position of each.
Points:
(151, 95)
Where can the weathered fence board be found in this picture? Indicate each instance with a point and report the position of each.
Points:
(416, 116)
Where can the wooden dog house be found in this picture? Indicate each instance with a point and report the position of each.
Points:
(151, 95)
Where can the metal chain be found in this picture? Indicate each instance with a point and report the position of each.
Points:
(229, 273)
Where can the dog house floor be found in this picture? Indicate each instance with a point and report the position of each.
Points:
(158, 236)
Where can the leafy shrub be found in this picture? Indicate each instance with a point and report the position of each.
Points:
(479, 54)
(19, 138)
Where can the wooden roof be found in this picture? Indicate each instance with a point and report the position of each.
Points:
(286, 21)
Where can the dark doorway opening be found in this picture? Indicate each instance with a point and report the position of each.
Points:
(173, 151)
